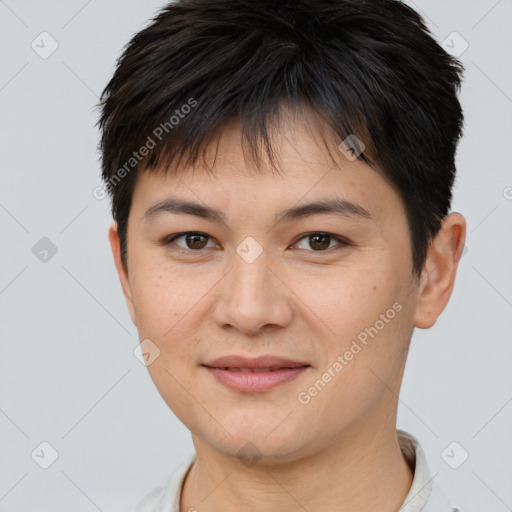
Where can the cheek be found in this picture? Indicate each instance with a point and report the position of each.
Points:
(161, 299)
(362, 316)
(346, 300)
(363, 365)
(170, 306)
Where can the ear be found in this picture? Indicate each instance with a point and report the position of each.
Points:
(438, 275)
(122, 272)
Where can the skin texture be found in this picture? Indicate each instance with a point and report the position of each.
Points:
(339, 451)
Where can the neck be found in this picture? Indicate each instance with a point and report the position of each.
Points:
(361, 469)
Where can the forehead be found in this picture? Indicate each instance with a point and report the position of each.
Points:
(310, 165)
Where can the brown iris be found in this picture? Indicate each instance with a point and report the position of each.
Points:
(196, 240)
(319, 241)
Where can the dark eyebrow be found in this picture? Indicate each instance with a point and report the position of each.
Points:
(336, 205)
(173, 205)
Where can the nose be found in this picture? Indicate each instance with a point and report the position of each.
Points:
(253, 296)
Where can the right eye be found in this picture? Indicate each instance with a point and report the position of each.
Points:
(194, 241)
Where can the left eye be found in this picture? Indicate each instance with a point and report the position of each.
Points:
(320, 242)
(196, 241)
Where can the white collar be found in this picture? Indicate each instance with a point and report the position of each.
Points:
(425, 495)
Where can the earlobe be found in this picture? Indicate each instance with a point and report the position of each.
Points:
(122, 272)
(438, 276)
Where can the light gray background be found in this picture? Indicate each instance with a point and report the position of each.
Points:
(68, 375)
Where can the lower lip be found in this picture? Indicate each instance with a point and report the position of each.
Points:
(253, 382)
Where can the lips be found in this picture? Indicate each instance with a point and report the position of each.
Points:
(254, 374)
(255, 370)
(258, 363)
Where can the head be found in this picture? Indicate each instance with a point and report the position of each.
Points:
(254, 111)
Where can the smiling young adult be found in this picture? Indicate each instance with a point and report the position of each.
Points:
(281, 178)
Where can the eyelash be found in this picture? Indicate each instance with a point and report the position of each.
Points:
(169, 242)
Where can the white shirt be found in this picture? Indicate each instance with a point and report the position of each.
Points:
(424, 494)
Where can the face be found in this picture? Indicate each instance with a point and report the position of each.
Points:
(326, 295)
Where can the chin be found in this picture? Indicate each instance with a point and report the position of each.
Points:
(259, 451)
(257, 439)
